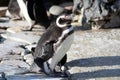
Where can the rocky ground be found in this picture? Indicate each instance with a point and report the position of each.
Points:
(94, 55)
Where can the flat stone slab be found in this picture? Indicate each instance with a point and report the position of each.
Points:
(16, 63)
(8, 46)
(11, 69)
(19, 23)
(33, 77)
(11, 57)
(22, 37)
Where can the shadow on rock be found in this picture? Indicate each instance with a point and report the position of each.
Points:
(98, 74)
(95, 61)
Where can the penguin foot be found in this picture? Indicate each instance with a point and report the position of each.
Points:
(59, 74)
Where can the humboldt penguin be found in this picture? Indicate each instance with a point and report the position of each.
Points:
(33, 11)
(52, 47)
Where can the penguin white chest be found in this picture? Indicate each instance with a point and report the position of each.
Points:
(64, 46)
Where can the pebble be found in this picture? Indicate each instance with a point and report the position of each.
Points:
(29, 58)
(17, 50)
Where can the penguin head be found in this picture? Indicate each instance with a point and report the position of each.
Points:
(63, 20)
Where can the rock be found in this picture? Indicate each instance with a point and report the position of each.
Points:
(113, 23)
(95, 54)
(17, 50)
(11, 57)
(16, 63)
(94, 12)
(2, 76)
(11, 23)
(4, 19)
(33, 77)
(7, 46)
(30, 47)
(38, 28)
(29, 58)
(56, 10)
(21, 37)
(9, 69)
(14, 29)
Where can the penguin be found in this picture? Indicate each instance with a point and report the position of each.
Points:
(38, 12)
(17, 9)
(52, 47)
(13, 9)
(33, 11)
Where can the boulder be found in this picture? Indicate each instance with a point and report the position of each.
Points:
(98, 13)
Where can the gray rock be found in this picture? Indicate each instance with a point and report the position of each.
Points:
(14, 24)
(11, 69)
(11, 57)
(33, 77)
(21, 37)
(94, 11)
(14, 29)
(29, 58)
(4, 19)
(17, 50)
(7, 46)
(16, 63)
(56, 10)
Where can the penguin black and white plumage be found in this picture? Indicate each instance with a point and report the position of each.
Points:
(33, 11)
(53, 45)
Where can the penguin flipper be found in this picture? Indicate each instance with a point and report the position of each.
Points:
(47, 50)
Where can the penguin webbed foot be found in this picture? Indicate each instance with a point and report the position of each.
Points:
(60, 71)
(59, 74)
